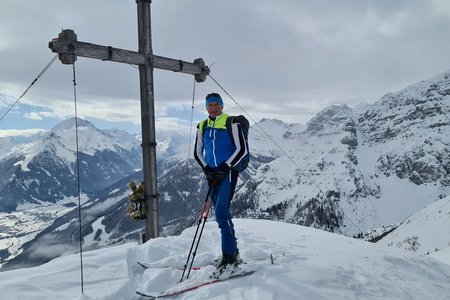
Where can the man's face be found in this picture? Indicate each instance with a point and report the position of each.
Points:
(214, 109)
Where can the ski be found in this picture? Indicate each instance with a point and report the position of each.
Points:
(145, 267)
(215, 263)
(193, 287)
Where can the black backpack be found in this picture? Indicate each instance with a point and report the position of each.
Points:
(243, 163)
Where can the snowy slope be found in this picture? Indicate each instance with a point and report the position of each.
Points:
(426, 231)
(309, 264)
(442, 255)
(279, 131)
(11, 139)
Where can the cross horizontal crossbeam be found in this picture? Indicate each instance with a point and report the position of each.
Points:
(68, 48)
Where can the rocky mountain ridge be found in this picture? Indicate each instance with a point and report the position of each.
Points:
(350, 170)
(45, 170)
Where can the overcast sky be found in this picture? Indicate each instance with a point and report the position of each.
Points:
(284, 59)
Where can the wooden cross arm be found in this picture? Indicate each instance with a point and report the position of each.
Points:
(68, 48)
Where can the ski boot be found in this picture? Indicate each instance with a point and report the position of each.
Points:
(227, 266)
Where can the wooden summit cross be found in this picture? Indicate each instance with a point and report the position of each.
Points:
(68, 48)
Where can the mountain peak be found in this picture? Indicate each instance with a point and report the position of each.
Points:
(330, 115)
(415, 111)
(439, 84)
(69, 124)
(268, 120)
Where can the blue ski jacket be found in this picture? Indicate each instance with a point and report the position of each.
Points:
(215, 146)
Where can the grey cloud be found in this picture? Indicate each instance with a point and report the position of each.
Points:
(307, 53)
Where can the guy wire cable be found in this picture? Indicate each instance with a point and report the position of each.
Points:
(262, 129)
(78, 175)
(192, 120)
(279, 147)
(32, 83)
(124, 60)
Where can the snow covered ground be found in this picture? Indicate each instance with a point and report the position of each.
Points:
(425, 232)
(309, 264)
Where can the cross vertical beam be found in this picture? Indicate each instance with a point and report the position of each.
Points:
(68, 48)
(148, 120)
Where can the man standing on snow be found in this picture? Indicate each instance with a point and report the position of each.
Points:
(218, 152)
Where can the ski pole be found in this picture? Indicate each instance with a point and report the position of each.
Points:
(196, 231)
(215, 185)
(199, 237)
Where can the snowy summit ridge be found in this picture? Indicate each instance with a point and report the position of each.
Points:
(308, 264)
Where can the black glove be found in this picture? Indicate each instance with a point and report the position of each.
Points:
(223, 169)
(222, 172)
(208, 170)
(209, 174)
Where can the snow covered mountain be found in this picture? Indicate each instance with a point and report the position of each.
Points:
(38, 181)
(308, 264)
(45, 170)
(9, 141)
(354, 170)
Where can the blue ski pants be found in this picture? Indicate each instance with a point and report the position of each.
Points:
(221, 198)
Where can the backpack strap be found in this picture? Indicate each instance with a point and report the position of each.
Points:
(228, 124)
(229, 121)
(243, 124)
(202, 127)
